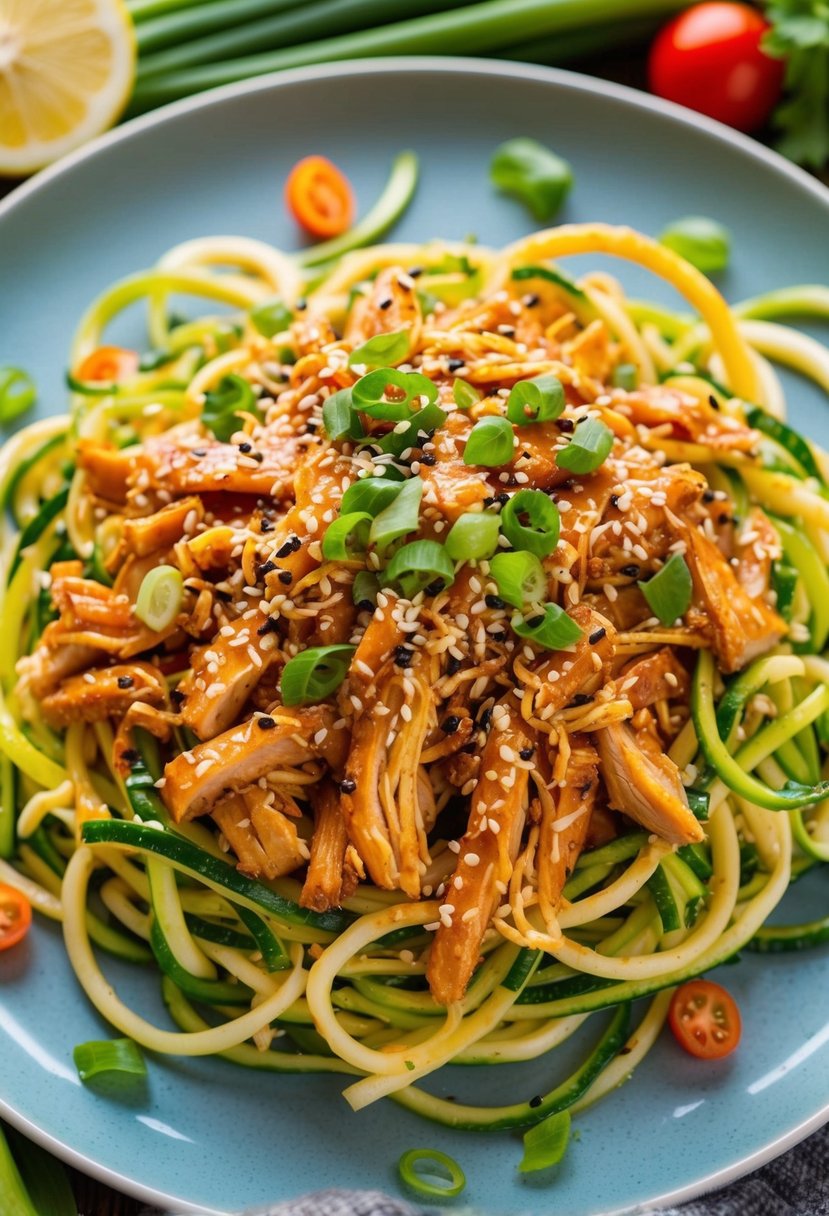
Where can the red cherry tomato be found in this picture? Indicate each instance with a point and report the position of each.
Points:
(705, 1019)
(15, 916)
(320, 198)
(108, 364)
(709, 59)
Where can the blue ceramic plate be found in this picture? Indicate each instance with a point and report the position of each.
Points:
(204, 1135)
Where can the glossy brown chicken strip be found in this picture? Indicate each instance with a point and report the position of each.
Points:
(334, 868)
(485, 861)
(390, 305)
(658, 676)
(646, 785)
(263, 838)
(562, 835)
(101, 693)
(224, 673)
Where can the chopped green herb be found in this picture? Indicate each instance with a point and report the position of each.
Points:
(473, 537)
(314, 674)
(107, 1056)
(701, 241)
(588, 449)
(538, 400)
(224, 405)
(382, 350)
(530, 520)
(339, 418)
(272, 317)
(418, 565)
(546, 1143)
(548, 626)
(491, 443)
(465, 395)
(346, 537)
(669, 592)
(520, 578)
(532, 173)
(400, 517)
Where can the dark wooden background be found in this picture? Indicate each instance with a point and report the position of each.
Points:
(94, 1198)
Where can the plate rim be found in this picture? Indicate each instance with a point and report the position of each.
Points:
(428, 65)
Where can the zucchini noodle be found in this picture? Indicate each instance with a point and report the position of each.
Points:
(538, 729)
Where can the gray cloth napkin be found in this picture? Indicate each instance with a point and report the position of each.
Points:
(796, 1184)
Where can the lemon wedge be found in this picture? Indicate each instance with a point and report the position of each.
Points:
(66, 72)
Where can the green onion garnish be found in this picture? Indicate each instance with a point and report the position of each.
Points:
(17, 393)
(546, 1143)
(224, 404)
(626, 376)
(520, 578)
(465, 395)
(539, 535)
(491, 443)
(669, 592)
(108, 1055)
(549, 626)
(391, 395)
(701, 241)
(381, 350)
(160, 597)
(588, 449)
(400, 517)
(430, 1173)
(314, 674)
(364, 589)
(272, 317)
(473, 536)
(538, 400)
(370, 494)
(418, 565)
(533, 174)
(339, 417)
(347, 537)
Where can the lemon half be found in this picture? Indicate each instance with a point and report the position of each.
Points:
(66, 72)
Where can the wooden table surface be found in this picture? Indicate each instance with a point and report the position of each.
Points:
(94, 1198)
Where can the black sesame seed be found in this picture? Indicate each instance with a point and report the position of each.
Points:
(493, 601)
(286, 577)
(488, 502)
(455, 365)
(257, 456)
(310, 428)
(266, 568)
(348, 785)
(526, 753)
(581, 698)
(225, 596)
(287, 548)
(512, 480)
(724, 518)
(713, 402)
(435, 588)
(130, 756)
(428, 459)
(453, 666)
(265, 723)
(597, 636)
(535, 621)
(271, 625)
(266, 525)
(403, 656)
(536, 1101)
(301, 305)
(178, 698)
(365, 606)
(486, 718)
(708, 496)
(198, 452)
(585, 789)
(414, 272)
(245, 447)
(614, 500)
(125, 681)
(469, 748)
(531, 300)
(566, 425)
(387, 303)
(631, 570)
(502, 498)
(450, 725)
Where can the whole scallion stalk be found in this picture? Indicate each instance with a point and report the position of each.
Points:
(475, 29)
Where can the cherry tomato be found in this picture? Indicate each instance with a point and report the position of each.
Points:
(15, 916)
(709, 59)
(705, 1019)
(320, 197)
(109, 364)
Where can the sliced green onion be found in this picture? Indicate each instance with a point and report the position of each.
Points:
(546, 1143)
(473, 536)
(538, 400)
(588, 449)
(339, 417)
(382, 349)
(491, 443)
(626, 376)
(370, 494)
(272, 317)
(391, 395)
(669, 592)
(108, 1055)
(160, 597)
(346, 537)
(17, 393)
(418, 565)
(550, 627)
(419, 1165)
(224, 404)
(540, 533)
(400, 517)
(701, 241)
(364, 589)
(520, 578)
(550, 276)
(789, 439)
(314, 674)
(423, 424)
(532, 173)
(465, 395)
(90, 388)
